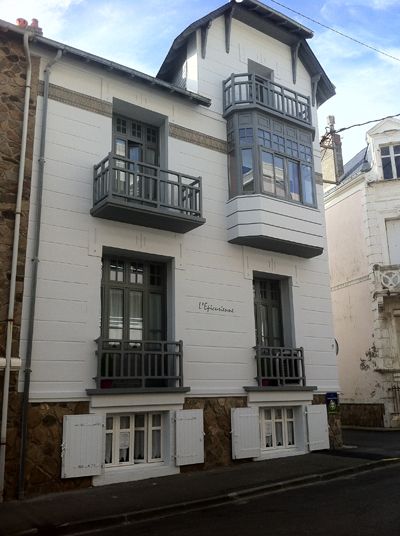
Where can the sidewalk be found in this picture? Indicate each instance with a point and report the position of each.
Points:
(75, 511)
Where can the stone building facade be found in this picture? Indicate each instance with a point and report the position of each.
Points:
(176, 326)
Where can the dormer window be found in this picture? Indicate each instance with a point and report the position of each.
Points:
(390, 155)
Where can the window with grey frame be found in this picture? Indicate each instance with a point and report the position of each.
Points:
(268, 312)
(264, 161)
(137, 145)
(390, 156)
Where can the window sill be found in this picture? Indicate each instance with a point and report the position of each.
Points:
(269, 454)
(129, 473)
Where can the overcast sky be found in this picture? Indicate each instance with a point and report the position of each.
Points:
(138, 33)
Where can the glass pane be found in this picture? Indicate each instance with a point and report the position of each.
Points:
(290, 433)
(247, 171)
(124, 447)
(108, 457)
(263, 328)
(385, 151)
(396, 149)
(155, 317)
(245, 136)
(156, 419)
(307, 185)
(156, 444)
(136, 273)
(267, 163)
(134, 152)
(279, 177)
(387, 168)
(397, 165)
(155, 275)
(116, 270)
(120, 148)
(121, 125)
(267, 414)
(125, 423)
(264, 137)
(109, 423)
(135, 315)
(136, 129)
(278, 413)
(289, 413)
(268, 441)
(276, 326)
(139, 420)
(294, 180)
(278, 143)
(139, 445)
(279, 434)
(115, 321)
(151, 157)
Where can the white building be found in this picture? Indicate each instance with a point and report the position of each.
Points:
(363, 227)
(184, 284)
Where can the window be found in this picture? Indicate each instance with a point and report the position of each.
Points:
(390, 155)
(133, 300)
(268, 312)
(134, 439)
(262, 160)
(277, 428)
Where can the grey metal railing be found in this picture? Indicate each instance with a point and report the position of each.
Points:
(278, 366)
(247, 88)
(134, 182)
(139, 364)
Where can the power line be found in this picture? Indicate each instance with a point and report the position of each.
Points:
(337, 31)
(327, 134)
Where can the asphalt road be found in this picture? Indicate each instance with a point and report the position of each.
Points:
(362, 505)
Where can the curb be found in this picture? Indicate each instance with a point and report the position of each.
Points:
(80, 527)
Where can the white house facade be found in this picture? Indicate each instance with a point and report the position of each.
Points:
(179, 312)
(363, 227)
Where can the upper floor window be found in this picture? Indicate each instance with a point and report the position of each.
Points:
(135, 140)
(266, 156)
(390, 155)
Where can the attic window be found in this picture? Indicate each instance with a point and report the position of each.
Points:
(260, 70)
(390, 155)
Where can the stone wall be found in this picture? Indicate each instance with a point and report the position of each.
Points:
(217, 427)
(12, 94)
(371, 415)
(334, 422)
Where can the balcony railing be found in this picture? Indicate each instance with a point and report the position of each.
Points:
(139, 364)
(143, 194)
(251, 89)
(387, 277)
(277, 366)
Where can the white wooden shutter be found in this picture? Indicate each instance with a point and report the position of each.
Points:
(189, 436)
(318, 430)
(245, 433)
(83, 446)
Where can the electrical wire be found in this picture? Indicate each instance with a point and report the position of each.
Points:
(328, 133)
(337, 31)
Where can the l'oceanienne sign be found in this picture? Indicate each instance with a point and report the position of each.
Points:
(217, 308)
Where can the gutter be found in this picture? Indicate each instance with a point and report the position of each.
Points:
(35, 261)
(14, 261)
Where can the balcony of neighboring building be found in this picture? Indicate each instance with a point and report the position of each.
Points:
(249, 90)
(387, 282)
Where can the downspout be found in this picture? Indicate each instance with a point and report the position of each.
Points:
(14, 262)
(35, 261)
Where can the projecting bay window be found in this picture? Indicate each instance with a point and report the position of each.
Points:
(268, 157)
(277, 428)
(134, 439)
(390, 156)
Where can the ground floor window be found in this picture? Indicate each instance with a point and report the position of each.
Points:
(134, 438)
(277, 428)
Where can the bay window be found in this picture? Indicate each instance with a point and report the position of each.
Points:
(268, 157)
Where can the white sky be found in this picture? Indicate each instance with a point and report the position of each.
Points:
(138, 33)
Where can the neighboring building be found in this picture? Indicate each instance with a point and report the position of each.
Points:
(184, 282)
(363, 228)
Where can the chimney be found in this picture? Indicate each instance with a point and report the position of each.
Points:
(33, 26)
(331, 155)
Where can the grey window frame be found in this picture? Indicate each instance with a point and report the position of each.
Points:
(141, 140)
(235, 157)
(146, 288)
(391, 157)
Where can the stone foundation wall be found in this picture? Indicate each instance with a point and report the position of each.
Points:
(334, 422)
(363, 414)
(217, 428)
(13, 67)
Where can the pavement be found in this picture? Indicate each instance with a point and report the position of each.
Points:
(77, 512)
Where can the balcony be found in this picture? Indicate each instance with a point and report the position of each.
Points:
(139, 366)
(387, 282)
(142, 194)
(280, 367)
(241, 90)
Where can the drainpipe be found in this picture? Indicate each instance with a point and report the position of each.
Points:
(14, 261)
(35, 261)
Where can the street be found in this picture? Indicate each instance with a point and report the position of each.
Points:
(361, 505)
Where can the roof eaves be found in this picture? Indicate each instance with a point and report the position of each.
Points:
(110, 65)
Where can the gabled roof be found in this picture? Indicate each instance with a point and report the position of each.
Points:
(109, 65)
(264, 19)
(385, 125)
